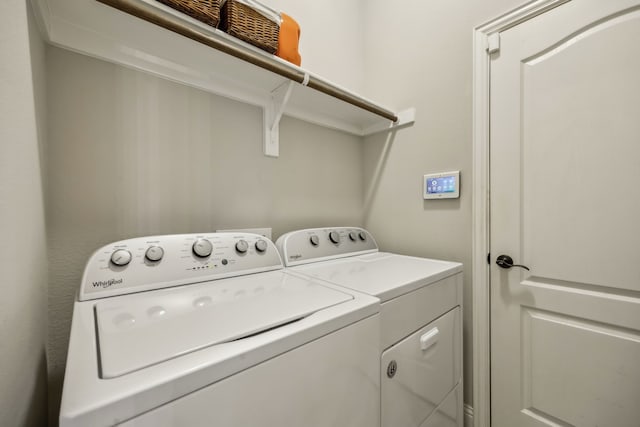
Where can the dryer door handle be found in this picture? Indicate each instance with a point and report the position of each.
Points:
(429, 339)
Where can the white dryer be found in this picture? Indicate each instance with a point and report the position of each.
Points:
(421, 318)
(209, 329)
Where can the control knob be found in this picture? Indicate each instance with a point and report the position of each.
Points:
(154, 253)
(334, 237)
(202, 248)
(242, 246)
(352, 236)
(261, 245)
(362, 235)
(315, 241)
(121, 257)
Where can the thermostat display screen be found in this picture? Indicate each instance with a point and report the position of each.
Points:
(445, 184)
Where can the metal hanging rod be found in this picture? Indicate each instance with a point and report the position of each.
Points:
(151, 14)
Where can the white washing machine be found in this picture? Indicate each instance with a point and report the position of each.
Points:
(209, 329)
(421, 318)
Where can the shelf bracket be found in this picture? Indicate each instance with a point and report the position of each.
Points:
(272, 114)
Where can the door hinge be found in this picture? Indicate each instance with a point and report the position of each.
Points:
(493, 43)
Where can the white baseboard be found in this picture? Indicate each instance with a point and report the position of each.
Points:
(468, 415)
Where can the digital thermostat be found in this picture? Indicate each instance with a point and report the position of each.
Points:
(445, 185)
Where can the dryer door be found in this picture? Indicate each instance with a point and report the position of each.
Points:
(420, 371)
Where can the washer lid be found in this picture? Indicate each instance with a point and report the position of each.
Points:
(140, 330)
(384, 275)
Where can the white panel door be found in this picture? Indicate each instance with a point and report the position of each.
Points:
(565, 202)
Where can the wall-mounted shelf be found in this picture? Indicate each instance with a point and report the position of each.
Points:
(147, 35)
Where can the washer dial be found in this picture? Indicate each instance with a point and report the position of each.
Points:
(121, 257)
(315, 241)
(261, 245)
(362, 235)
(334, 237)
(154, 253)
(202, 248)
(242, 246)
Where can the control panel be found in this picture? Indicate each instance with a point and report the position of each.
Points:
(444, 185)
(148, 263)
(317, 244)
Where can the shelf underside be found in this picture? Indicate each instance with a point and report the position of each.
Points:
(102, 31)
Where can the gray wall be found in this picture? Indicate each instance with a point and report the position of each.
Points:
(331, 38)
(421, 56)
(23, 260)
(130, 154)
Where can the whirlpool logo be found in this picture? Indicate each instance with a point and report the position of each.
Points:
(295, 257)
(107, 283)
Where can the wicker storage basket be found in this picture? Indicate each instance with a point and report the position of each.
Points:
(207, 11)
(243, 22)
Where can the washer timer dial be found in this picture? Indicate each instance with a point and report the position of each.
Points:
(202, 248)
(154, 253)
(261, 245)
(121, 257)
(242, 246)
